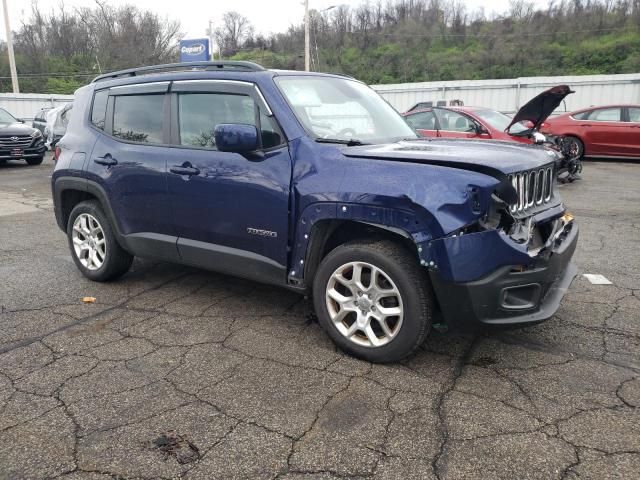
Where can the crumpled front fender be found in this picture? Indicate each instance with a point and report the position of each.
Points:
(468, 257)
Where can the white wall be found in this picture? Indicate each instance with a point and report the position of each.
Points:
(25, 105)
(508, 95)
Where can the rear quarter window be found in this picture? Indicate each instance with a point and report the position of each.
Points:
(581, 115)
(99, 108)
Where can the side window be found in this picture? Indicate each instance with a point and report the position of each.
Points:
(422, 120)
(65, 116)
(200, 113)
(634, 114)
(99, 108)
(138, 118)
(605, 115)
(454, 121)
(581, 115)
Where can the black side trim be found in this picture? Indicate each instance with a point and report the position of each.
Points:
(152, 245)
(239, 263)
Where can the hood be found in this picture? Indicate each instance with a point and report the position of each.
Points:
(16, 128)
(538, 109)
(494, 158)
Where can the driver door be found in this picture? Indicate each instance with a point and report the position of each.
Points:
(455, 124)
(230, 209)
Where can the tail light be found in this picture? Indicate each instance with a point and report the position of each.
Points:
(56, 153)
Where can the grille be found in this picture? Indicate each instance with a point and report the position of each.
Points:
(15, 141)
(534, 188)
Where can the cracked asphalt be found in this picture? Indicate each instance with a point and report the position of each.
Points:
(179, 373)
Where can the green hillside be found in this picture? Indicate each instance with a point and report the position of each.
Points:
(377, 42)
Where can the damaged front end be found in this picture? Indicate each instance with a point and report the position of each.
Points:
(512, 266)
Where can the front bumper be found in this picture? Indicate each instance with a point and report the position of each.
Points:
(511, 294)
(28, 152)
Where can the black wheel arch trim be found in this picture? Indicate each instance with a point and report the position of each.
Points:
(63, 184)
(321, 232)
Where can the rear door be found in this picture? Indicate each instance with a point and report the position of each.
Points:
(232, 212)
(423, 122)
(129, 162)
(632, 131)
(604, 132)
(455, 125)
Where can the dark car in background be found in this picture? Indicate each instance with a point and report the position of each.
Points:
(40, 119)
(606, 131)
(19, 141)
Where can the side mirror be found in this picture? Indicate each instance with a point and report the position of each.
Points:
(236, 137)
(20, 120)
(482, 130)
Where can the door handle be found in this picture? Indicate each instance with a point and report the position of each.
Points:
(585, 125)
(184, 170)
(106, 160)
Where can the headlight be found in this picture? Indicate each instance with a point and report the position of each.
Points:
(36, 134)
(539, 138)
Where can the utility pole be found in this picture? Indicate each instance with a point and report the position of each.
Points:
(306, 35)
(210, 33)
(12, 60)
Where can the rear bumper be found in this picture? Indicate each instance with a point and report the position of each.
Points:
(508, 296)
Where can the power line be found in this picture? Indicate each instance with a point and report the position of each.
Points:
(481, 35)
(54, 74)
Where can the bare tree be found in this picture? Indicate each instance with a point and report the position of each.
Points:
(235, 29)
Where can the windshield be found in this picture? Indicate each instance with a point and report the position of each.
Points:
(500, 121)
(6, 117)
(344, 110)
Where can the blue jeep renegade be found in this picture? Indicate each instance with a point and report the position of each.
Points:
(312, 182)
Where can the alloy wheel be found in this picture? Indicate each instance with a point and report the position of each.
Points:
(88, 241)
(364, 304)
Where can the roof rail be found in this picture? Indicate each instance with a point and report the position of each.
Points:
(219, 65)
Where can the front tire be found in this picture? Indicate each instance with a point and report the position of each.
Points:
(35, 160)
(374, 300)
(93, 245)
(574, 147)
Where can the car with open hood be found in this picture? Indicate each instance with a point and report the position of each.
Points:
(19, 141)
(486, 124)
(314, 183)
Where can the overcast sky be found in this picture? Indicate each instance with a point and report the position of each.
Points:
(267, 16)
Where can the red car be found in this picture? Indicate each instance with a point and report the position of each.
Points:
(607, 131)
(464, 122)
(484, 123)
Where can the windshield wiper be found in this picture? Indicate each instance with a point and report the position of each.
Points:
(352, 142)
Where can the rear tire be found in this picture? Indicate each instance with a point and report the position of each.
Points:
(384, 320)
(93, 245)
(35, 161)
